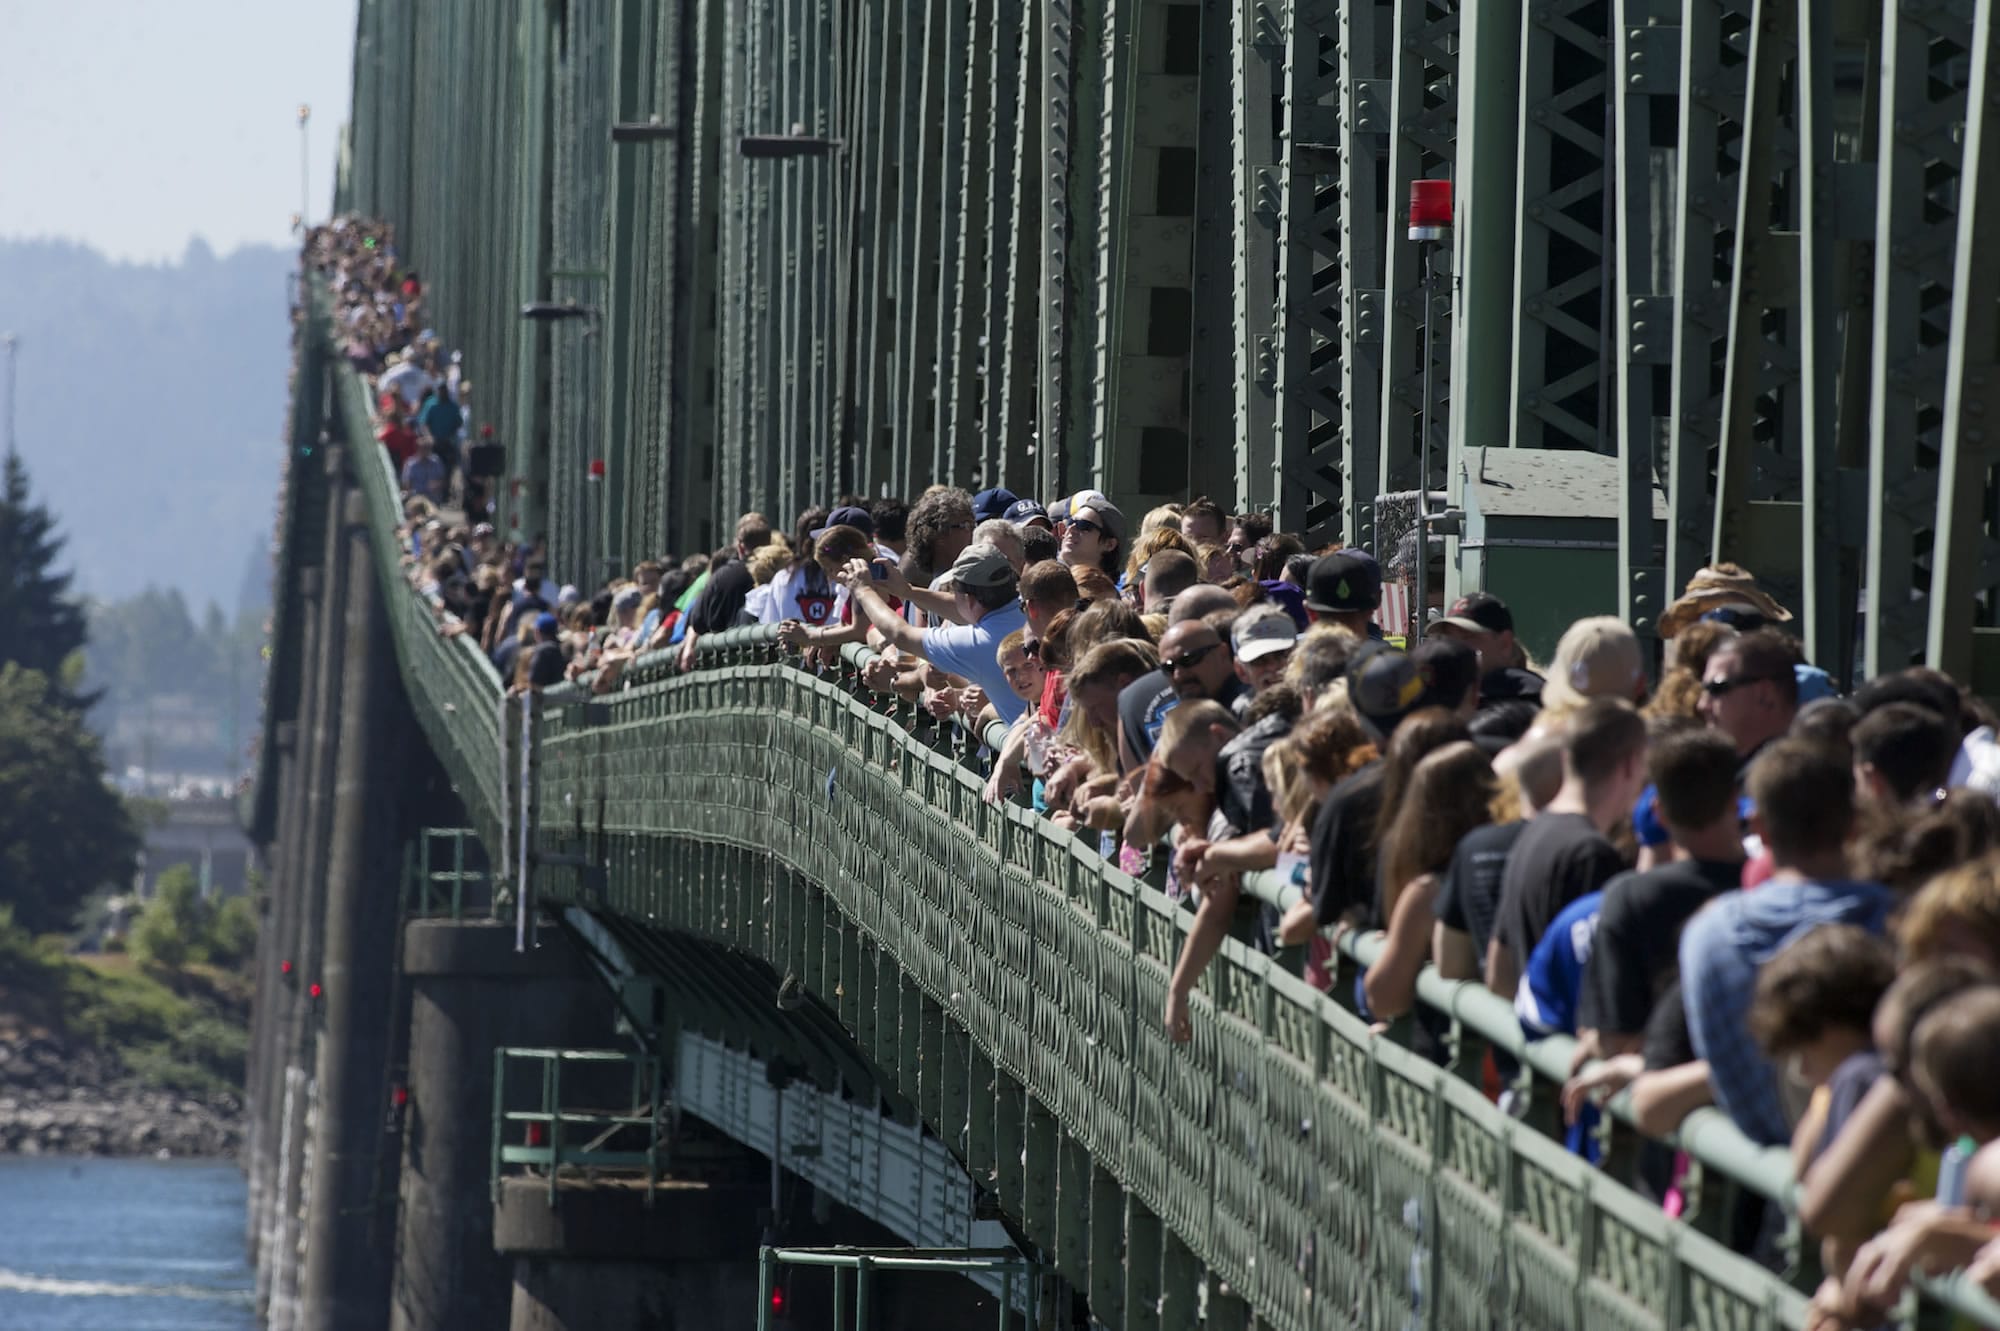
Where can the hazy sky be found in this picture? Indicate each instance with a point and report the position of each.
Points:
(134, 125)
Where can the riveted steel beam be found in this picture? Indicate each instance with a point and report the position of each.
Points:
(1315, 487)
(1926, 73)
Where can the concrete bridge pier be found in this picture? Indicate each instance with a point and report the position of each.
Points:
(600, 1257)
(471, 993)
(349, 1238)
(303, 852)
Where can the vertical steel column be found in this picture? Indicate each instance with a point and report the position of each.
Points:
(1366, 54)
(1709, 179)
(881, 210)
(1013, 363)
(1483, 325)
(1257, 60)
(1963, 598)
(1316, 487)
(1836, 177)
(917, 285)
(1646, 51)
(1926, 73)
(694, 440)
(967, 110)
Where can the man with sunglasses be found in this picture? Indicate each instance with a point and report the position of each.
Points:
(1750, 690)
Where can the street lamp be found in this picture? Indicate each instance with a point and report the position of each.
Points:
(1430, 224)
(305, 169)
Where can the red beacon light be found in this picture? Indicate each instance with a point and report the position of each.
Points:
(313, 990)
(400, 1096)
(1430, 209)
(285, 966)
(597, 469)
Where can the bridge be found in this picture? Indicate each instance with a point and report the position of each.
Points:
(783, 249)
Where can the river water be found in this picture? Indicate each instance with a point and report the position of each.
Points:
(122, 1245)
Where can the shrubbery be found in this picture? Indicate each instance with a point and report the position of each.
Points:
(178, 927)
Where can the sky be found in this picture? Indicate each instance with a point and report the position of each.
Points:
(135, 125)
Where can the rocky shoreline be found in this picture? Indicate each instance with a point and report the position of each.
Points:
(55, 1100)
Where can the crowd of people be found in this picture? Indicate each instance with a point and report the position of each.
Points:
(1730, 884)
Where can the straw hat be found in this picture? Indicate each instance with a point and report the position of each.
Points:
(1714, 588)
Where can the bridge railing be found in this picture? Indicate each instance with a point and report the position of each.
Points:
(1329, 1176)
(453, 689)
(1311, 1164)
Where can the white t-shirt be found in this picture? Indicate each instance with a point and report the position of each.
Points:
(803, 593)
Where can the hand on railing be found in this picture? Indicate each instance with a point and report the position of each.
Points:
(1598, 1082)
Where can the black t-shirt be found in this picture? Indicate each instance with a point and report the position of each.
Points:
(1558, 858)
(1343, 849)
(1668, 1044)
(1142, 709)
(546, 666)
(721, 600)
(1469, 897)
(1633, 955)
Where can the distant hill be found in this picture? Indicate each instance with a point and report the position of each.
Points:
(152, 407)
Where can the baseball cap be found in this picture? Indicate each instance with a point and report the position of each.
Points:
(628, 598)
(1384, 686)
(1263, 631)
(994, 503)
(1023, 511)
(847, 515)
(545, 624)
(981, 565)
(1344, 581)
(1480, 612)
(1094, 500)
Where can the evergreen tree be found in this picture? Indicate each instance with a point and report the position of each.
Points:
(63, 832)
(41, 625)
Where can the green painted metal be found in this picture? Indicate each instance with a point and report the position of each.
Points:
(553, 1135)
(1021, 1278)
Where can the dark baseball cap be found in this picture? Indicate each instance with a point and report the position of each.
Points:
(1343, 582)
(1383, 686)
(994, 503)
(1023, 511)
(1479, 612)
(847, 515)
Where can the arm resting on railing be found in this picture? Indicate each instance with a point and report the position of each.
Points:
(1662, 1099)
(1391, 983)
(1204, 940)
(1848, 1186)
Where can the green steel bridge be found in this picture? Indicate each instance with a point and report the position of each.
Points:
(1725, 253)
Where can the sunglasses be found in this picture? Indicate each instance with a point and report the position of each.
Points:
(1189, 660)
(1085, 525)
(1032, 650)
(1716, 688)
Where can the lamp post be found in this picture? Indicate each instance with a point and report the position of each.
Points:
(305, 169)
(1430, 224)
(12, 345)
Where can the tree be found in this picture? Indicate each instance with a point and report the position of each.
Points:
(173, 929)
(63, 831)
(41, 626)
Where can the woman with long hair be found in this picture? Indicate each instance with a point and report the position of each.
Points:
(1446, 797)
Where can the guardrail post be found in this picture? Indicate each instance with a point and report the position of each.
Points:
(766, 1269)
(1107, 1247)
(1143, 1241)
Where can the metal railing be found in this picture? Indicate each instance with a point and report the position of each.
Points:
(1285, 1136)
(446, 877)
(553, 1136)
(1009, 1268)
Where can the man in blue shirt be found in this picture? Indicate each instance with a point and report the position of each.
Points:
(983, 590)
(1804, 797)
